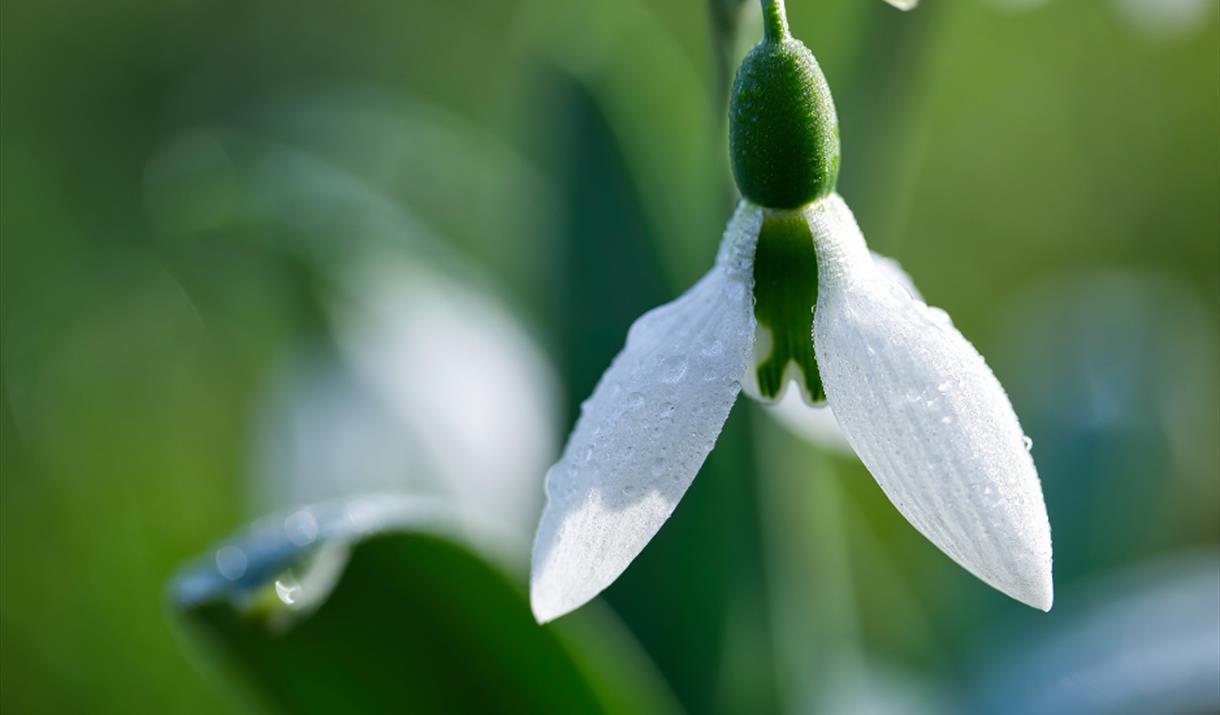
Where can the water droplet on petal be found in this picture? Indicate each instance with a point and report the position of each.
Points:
(673, 369)
(940, 317)
(1029, 442)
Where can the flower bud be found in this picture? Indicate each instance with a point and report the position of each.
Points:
(783, 132)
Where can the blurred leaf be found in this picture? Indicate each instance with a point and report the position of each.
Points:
(660, 108)
(417, 619)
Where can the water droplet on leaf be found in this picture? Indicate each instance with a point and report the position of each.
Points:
(231, 562)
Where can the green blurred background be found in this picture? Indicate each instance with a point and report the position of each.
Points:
(203, 203)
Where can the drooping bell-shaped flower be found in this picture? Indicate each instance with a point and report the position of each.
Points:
(794, 299)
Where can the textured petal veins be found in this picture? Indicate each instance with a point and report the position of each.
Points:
(927, 417)
(646, 430)
(817, 425)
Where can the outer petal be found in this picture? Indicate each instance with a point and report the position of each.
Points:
(891, 270)
(817, 424)
(646, 430)
(927, 417)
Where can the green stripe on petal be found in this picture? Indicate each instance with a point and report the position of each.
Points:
(785, 291)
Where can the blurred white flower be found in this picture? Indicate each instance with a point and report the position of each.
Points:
(914, 398)
(434, 389)
(1155, 19)
(1165, 19)
(424, 382)
(1145, 640)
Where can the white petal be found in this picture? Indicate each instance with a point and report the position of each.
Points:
(646, 430)
(891, 270)
(903, 4)
(818, 425)
(927, 417)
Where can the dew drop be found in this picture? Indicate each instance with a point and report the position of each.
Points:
(940, 317)
(673, 369)
(287, 591)
(1029, 443)
(231, 562)
(635, 401)
(713, 348)
(301, 528)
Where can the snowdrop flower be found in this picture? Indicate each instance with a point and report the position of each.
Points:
(400, 404)
(794, 298)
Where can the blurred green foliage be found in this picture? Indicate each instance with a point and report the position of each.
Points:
(458, 637)
(1005, 157)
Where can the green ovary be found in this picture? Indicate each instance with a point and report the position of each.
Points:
(785, 292)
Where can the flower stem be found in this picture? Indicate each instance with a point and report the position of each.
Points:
(775, 20)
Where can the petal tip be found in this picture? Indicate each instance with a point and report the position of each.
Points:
(1044, 593)
(1043, 601)
(1035, 589)
(543, 609)
(548, 603)
(542, 614)
(1041, 597)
